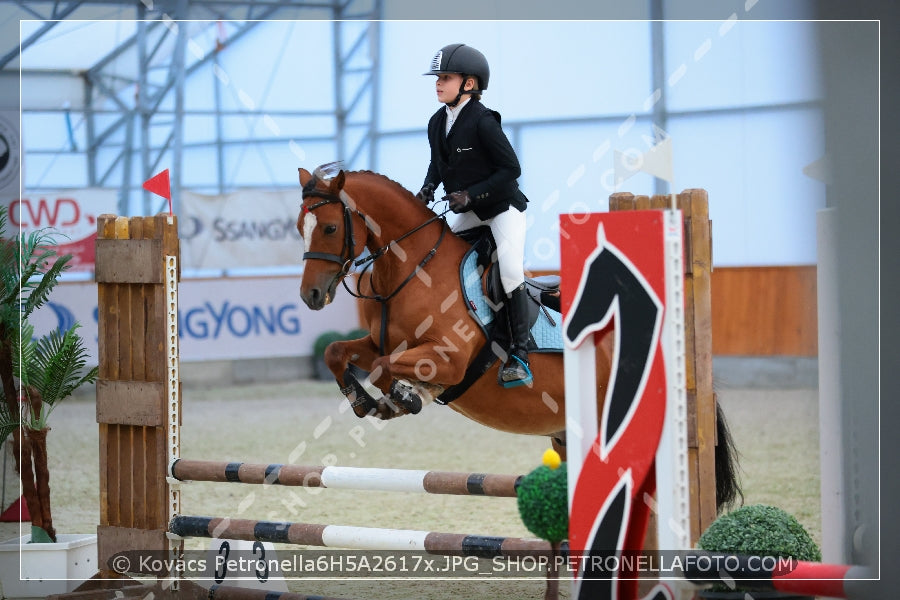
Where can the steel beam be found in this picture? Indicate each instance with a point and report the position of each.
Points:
(138, 124)
(50, 23)
(349, 90)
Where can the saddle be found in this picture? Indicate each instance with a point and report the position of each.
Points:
(480, 281)
(488, 299)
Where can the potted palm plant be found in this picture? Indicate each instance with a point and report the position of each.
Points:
(36, 374)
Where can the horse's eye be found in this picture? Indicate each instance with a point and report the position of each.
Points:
(329, 229)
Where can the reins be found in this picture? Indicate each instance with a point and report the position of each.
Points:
(369, 260)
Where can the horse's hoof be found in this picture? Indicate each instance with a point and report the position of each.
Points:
(387, 410)
(405, 396)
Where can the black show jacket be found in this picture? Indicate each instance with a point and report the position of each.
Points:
(475, 156)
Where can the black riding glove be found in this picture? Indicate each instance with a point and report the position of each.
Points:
(459, 201)
(426, 194)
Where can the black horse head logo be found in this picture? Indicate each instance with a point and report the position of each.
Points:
(612, 287)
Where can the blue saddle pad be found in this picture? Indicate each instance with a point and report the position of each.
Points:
(547, 336)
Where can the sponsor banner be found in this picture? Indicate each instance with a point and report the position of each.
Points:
(223, 319)
(71, 214)
(9, 153)
(239, 230)
(243, 229)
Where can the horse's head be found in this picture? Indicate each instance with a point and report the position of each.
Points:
(333, 233)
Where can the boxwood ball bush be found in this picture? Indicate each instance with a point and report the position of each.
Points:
(324, 340)
(543, 503)
(355, 334)
(760, 530)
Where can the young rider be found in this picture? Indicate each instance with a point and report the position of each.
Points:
(478, 167)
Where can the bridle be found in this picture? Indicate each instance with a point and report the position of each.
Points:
(345, 260)
(347, 257)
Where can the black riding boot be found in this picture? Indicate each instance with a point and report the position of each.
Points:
(516, 372)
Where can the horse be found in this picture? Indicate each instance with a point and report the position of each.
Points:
(422, 334)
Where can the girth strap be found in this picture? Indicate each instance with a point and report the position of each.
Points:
(483, 361)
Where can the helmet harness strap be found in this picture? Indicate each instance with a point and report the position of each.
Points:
(463, 90)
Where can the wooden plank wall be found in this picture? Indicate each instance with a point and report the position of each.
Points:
(764, 311)
(131, 389)
(761, 311)
(701, 400)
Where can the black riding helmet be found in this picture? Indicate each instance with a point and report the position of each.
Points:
(464, 60)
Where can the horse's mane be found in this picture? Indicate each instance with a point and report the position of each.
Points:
(385, 179)
(330, 169)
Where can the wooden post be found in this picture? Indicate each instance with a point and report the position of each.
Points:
(139, 409)
(694, 205)
(133, 389)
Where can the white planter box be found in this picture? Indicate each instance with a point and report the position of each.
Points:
(38, 570)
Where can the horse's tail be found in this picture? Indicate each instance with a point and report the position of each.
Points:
(728, 488)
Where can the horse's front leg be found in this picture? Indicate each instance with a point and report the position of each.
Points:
(362, 353)
(418, 375)
(338, 355)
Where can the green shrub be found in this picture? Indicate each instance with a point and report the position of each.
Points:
(760, 530)
(355, 334)
(324, 340)
(335, 336)
(543, 503)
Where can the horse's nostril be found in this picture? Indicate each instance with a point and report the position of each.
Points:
(313, 297)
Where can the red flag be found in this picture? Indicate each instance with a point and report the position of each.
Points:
(17, 512)
(159, 185)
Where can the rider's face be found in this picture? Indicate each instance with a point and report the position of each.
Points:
(447, 86)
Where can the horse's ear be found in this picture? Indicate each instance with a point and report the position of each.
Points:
(305, 176)
(337, 182)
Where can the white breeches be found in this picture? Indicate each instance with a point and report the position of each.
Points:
(509, 234)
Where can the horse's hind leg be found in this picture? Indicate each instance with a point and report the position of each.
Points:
(558, 443)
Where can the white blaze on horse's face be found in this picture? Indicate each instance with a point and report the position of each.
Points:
(309, 225)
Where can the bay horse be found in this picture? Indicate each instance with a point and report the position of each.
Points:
(422, 334)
